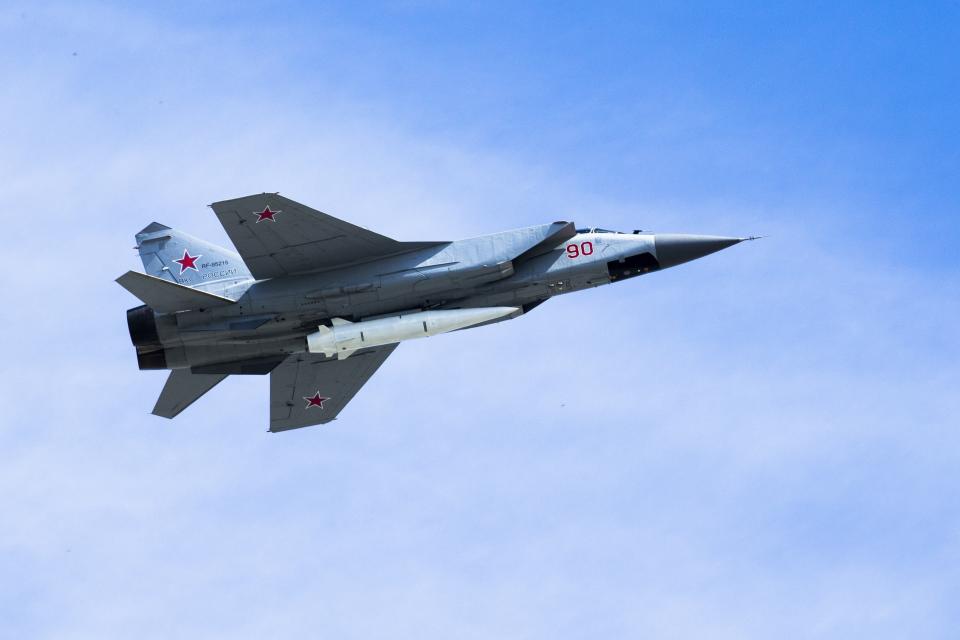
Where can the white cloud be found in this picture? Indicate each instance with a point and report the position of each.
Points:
(757, 444)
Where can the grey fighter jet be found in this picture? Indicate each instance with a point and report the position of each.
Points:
(319, 304)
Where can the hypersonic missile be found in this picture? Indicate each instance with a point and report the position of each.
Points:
(345, 337)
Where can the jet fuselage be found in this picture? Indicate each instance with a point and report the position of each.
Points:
(307, 289)
(273, 317)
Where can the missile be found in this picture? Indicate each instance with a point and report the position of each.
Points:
(345, 337)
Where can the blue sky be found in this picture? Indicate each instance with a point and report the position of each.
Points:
(760, 444)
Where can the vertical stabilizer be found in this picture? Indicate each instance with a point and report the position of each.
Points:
(183, 259)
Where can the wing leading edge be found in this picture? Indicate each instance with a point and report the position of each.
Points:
(276, 236)
(308, 389)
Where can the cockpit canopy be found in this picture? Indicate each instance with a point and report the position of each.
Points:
(599, 230)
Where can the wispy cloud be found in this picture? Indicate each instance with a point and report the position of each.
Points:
(760, 443)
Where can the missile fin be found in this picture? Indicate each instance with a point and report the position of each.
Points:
(343, 355)
(339, 322)
(321, 342)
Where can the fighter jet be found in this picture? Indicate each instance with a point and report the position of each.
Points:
(318, 304)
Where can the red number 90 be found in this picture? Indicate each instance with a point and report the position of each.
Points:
(584, 249)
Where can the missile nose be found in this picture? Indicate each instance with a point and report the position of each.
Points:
(677, 248)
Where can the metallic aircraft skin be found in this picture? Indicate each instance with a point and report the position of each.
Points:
(302, 276)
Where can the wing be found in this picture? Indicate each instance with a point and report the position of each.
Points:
(276, 236)
(307, 389)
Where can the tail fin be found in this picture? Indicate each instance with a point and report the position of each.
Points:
(183, 259)
(183, 389)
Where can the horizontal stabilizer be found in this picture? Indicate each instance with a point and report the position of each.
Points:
(164, 296)
(183, 389)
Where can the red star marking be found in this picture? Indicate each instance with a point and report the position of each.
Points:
(266, 214)
(187, 262)
(316, 400)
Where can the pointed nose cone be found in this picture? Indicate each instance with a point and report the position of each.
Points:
(677, 248)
